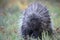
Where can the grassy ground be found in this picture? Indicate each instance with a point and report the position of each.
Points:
(10, 22)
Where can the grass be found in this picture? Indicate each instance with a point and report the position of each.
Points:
(9, 23)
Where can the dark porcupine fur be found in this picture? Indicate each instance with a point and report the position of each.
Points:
(36, 18)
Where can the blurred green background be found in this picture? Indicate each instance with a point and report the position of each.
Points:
(11, 14)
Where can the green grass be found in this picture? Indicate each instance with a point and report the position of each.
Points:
(11, 19)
